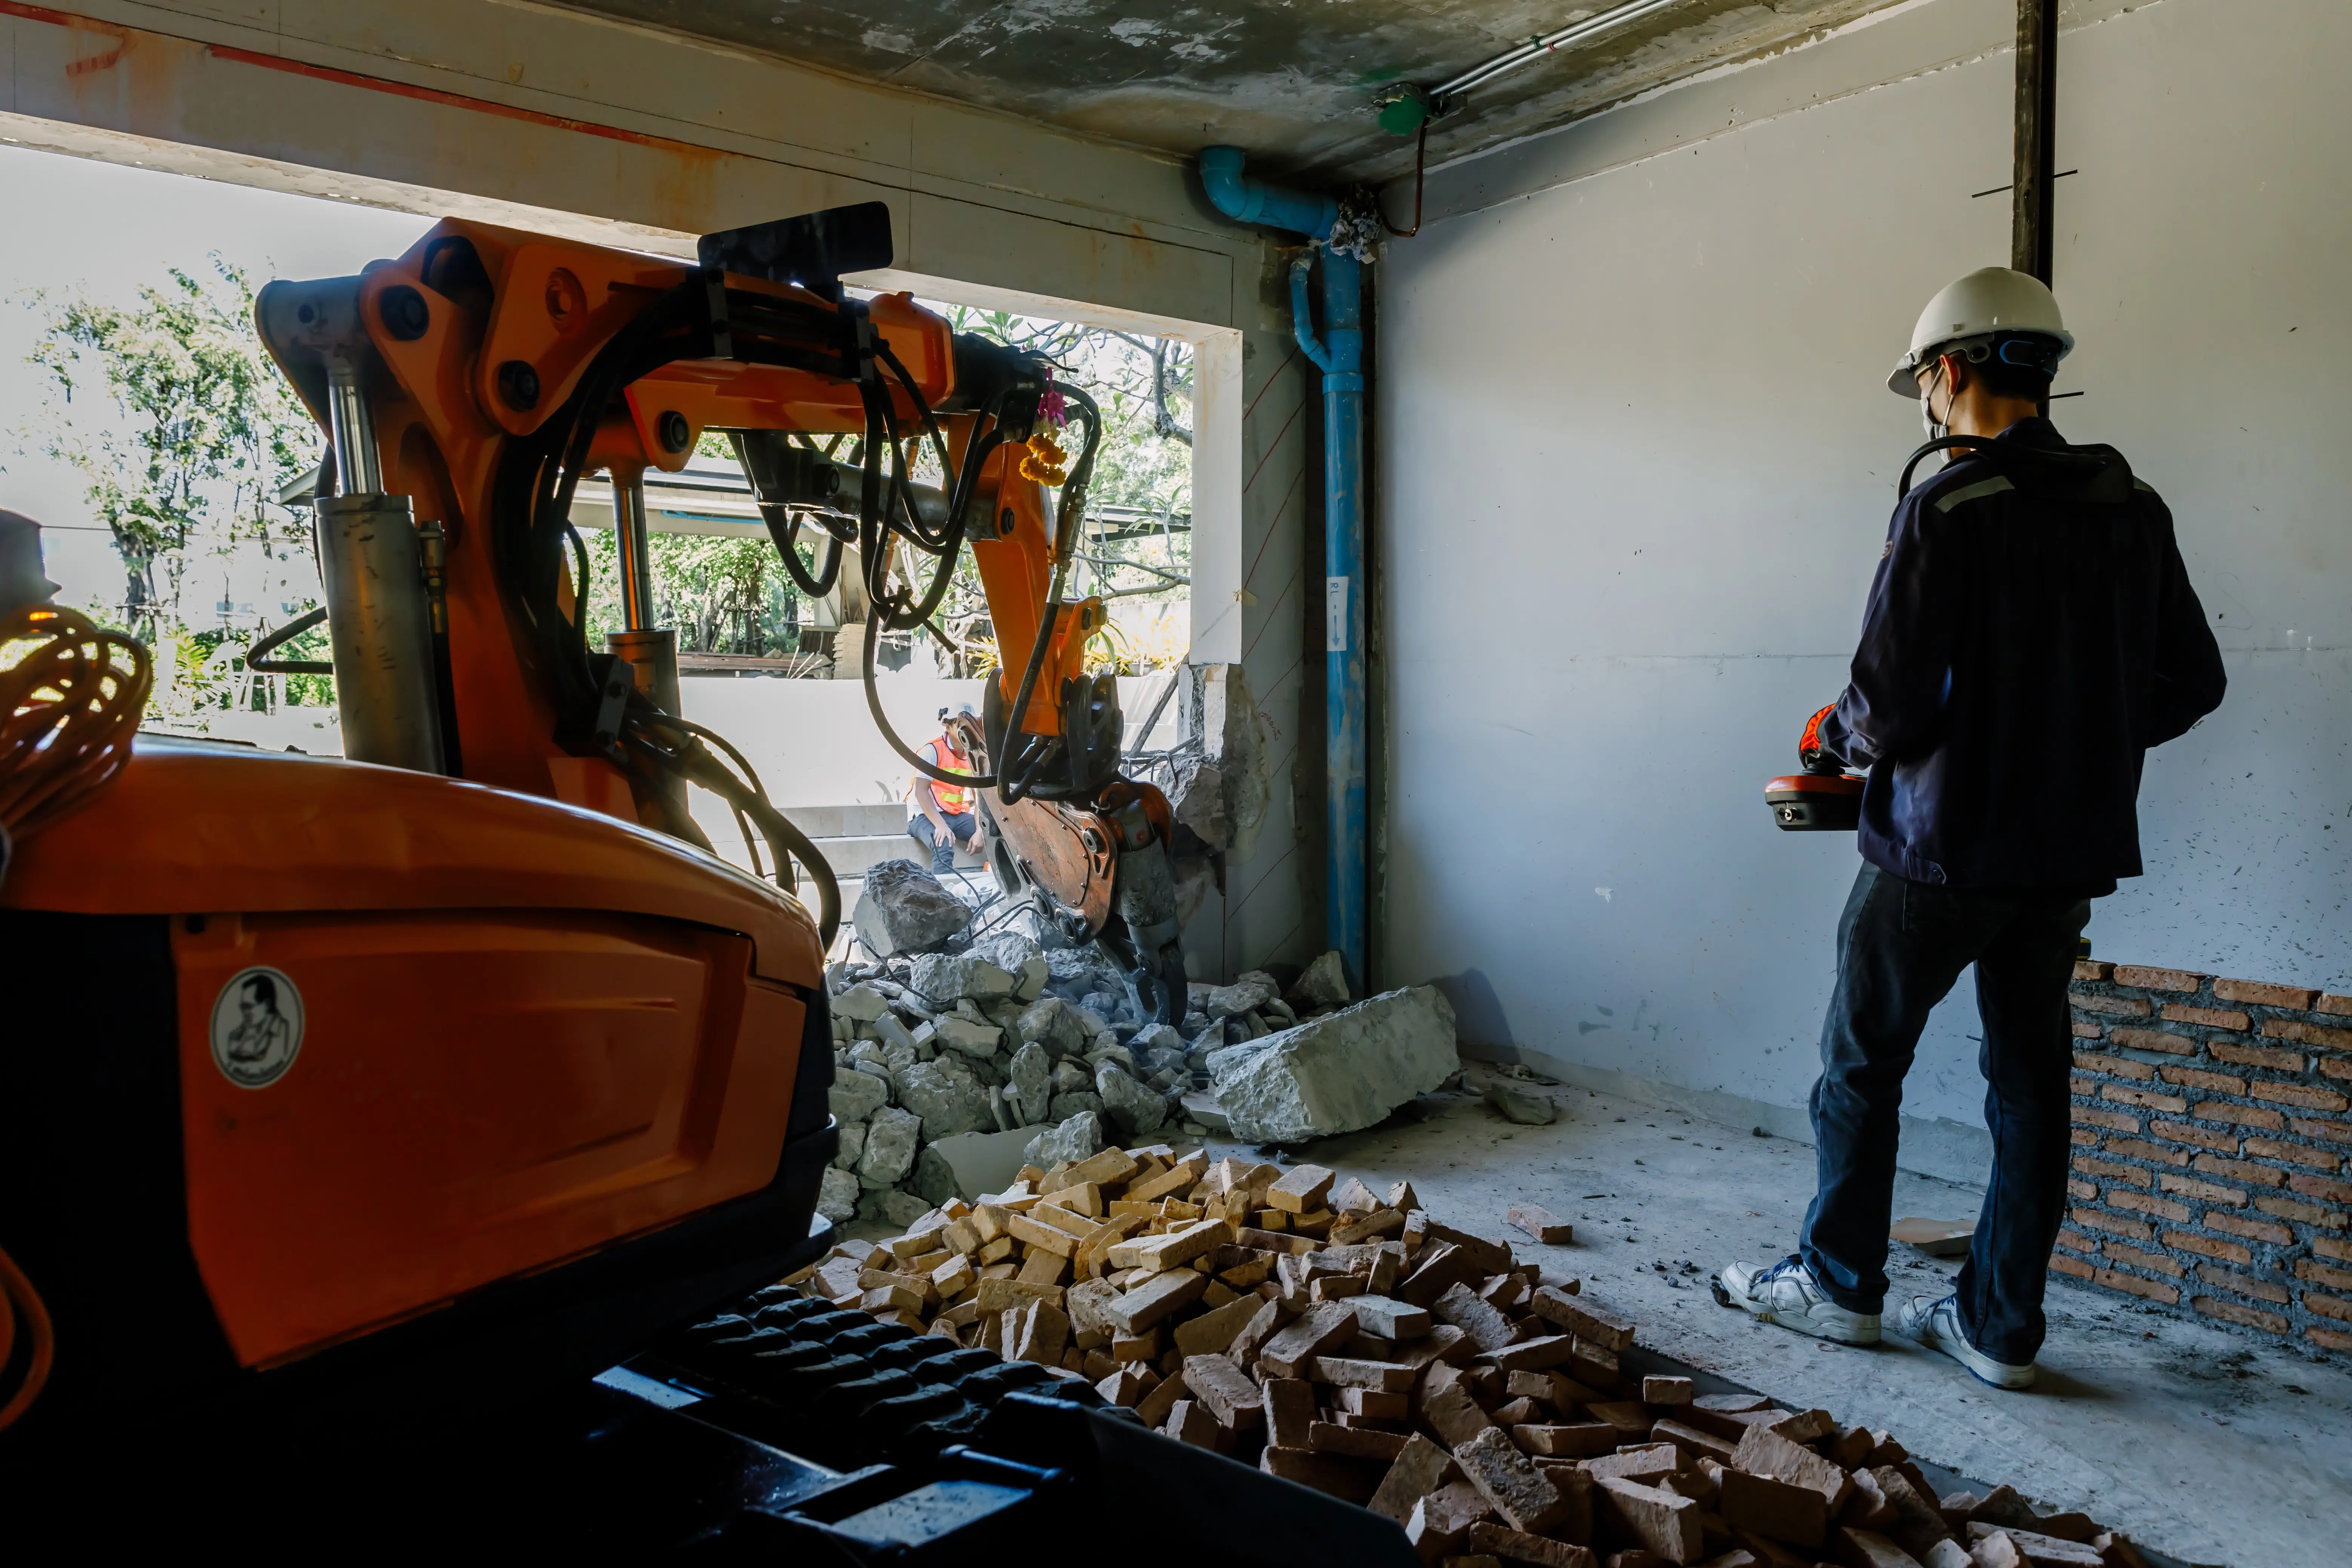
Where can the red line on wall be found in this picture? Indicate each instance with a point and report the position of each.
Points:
(451, 99)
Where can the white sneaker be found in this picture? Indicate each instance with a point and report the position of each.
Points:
(1786, 1293)
(1933, 1322)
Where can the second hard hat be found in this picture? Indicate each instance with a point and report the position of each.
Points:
(1989, 304)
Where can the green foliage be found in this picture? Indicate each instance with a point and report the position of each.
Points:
(213, 431)
(723, 593)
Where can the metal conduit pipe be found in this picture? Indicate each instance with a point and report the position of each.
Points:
(1338, 352)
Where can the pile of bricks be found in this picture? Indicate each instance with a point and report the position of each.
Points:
(2213, 1133)
(1350, 1342)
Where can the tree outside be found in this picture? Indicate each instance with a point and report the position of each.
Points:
(186, 435)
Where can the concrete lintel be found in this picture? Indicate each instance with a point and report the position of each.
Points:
(1950, 1151)
(423, 106)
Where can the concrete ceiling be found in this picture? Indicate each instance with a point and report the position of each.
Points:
(1290, 80)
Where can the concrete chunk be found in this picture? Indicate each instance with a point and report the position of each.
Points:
(1525, 1498)
(903, 909)
(1337, 1073)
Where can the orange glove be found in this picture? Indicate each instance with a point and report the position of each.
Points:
(1809, 746)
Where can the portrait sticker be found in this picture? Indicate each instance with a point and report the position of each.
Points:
(257, 1027)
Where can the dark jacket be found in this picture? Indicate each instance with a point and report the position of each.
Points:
(2031, 633)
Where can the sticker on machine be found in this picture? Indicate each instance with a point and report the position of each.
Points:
(257, 1027)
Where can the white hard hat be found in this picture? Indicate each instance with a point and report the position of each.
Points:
(1990, 302)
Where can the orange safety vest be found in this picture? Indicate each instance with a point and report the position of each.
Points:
(950, 800)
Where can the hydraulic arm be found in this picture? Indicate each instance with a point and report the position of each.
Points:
(470, 385)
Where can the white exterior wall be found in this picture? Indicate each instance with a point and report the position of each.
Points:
(1635, 469)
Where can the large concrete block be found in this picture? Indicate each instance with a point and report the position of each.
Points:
(905, 909)
(1339, 1073)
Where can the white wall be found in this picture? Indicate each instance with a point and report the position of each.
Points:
(1636, 464)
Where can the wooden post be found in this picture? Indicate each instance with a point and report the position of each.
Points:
(2037, 112)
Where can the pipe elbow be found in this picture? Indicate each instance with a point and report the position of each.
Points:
(1245, 200)
(1220, 175)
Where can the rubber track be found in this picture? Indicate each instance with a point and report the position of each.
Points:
(867, 1390)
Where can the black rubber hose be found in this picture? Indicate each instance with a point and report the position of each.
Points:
(882, 722)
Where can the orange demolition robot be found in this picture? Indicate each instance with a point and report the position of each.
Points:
(343, 1084)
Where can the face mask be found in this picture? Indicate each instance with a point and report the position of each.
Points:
(1928, 422)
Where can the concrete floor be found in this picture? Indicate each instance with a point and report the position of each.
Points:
(2210, 1446)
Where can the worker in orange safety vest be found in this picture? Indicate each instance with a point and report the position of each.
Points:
(940, 815)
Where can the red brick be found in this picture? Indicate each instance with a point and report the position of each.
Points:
(2295, 1153)
(2287, 1208)
(2189, 1132)
(2244, 1115)
(2191, 1187)
(2334, 1191)
(2321, 1274)
(2159, 979)
(2087, 1031)
(2254, 1056)
(2212, 1017)
(2212, 1082)
(2114, 1122)
(2309, 1034)
(2329, 1338)
(2073, 1265)
(2091, 969)
(2295, 1094)
(2076, 1239)
(2335, 1066)
(2131, 1284)
(2082, 1138)
(2142, 1097)
(2238, 1170)
(2081, 1086)
(2129, 1006)
(2328, 1305)
(2110, 1170)
(2082, 1190)
(2263, 995)
(2138, 1149)
(2330, 1003)
(2154, 1262)
(2254, 1230)
(2251, 1316)
(2092, 1219)
(2228, 1251)
(2328, 1246)
(2142, 1203)
(2117, 1067)
(2153, 1040)
(2244, 1284)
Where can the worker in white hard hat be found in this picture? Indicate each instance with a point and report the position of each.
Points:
(939, 816)
(2030, 633)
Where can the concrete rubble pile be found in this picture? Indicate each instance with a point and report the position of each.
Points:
(1000, 1038)
(1349, 1341)
(999, 1035)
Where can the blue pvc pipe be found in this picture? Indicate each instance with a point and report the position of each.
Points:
(1338, 352)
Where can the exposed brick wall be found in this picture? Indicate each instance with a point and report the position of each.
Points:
(2212, 1164)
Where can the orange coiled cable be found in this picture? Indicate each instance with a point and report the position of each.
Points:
(71, 696)
(23, 1306)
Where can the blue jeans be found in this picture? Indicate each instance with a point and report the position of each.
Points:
(1901, 946)
(942, 846)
